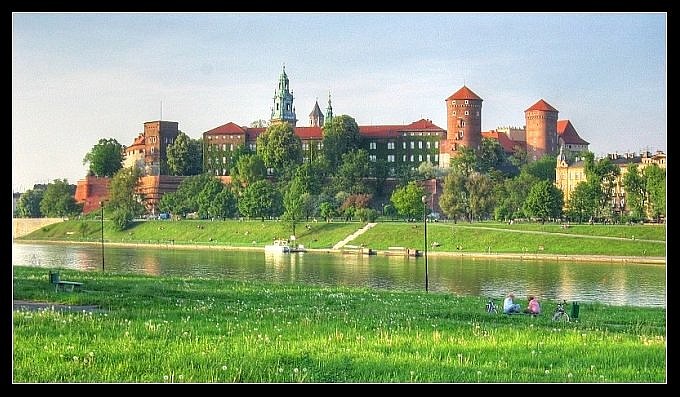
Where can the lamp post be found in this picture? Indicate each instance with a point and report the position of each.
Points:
(101, 205)
(424, 199)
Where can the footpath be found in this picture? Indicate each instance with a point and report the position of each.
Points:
(352, 236)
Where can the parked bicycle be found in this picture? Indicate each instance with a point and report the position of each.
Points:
(561, 312)
(491, 307)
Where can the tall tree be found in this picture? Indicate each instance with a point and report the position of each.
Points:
(353, 170)
(340, 136)
(543, 168)
(636, 192)
(29, 204)
(293, 203)
(480, 193)
(105, 158)
(185, 156)
(656, 189)
(544, 201)
(454, 200)
(58, 200)
(408, 200)
(259, 200)
(185, 198)
(279, 147)
(249, 168)
(124, 202)
(465, 162)
(583, 202)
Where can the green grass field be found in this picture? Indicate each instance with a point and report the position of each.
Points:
(171, 329)
(478, 237)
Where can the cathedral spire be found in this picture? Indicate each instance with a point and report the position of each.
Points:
(329, 109)
(283, 110)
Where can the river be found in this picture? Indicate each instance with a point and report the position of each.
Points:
(642, 285)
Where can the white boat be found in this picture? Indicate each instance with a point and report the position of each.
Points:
(278, 246)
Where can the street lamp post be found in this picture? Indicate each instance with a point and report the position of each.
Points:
(424, 199)
(101, 204)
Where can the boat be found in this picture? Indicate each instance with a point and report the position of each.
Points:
(278, 246)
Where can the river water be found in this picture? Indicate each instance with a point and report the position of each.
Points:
(641, 285)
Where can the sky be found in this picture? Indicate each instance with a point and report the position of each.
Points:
(81, 77)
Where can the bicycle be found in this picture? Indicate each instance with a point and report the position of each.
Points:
(491, 307)
(560, 312)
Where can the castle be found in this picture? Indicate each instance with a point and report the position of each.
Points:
(399, 145)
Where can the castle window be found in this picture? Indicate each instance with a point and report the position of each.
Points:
(390, 158)
(412, 158)
(436, 158)
(224, 160)
(460, 134)
(413, 146)
(319, 145)
(466, 102)
(371, 157)
(429, 144)
(467, 113)
(436, 144)
(403, 159)
(453, 113)
(453, 102)
(478, 113)
(372, 145)
(420, 144)
(428, 158)
(231, 147)
(403, 145)
(390, 145)
(420, 158)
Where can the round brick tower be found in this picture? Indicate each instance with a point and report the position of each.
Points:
(463, 123)
(541, 130)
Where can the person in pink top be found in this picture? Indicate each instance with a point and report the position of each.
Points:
(534, 307)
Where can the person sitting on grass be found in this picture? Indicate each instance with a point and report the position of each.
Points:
(534, 307)
(509, 306)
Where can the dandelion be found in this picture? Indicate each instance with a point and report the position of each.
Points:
(224, 368)
(295, 370)
(569, 375)
(547, 371)
(165, 377)
(280, 370)
(75, 358)
(533, 352)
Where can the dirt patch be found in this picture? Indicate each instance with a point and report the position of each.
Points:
(32, 305)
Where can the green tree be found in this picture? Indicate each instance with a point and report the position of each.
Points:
(124, 202)
(327, 210)
(454, 198)
(340, 136)
(185, 199)
(490, 156)
(105, 158)
(207, 197)
(249, 169)
(58, 200)
(656, 189)
(543, 168)
(240, 151)
(353, 171)
(603, 175)
(185, 156)
(544, 201)
(279, 147)
(465, 162)
(293, 203)
(582, 202)
(511, 194)
(480, 196)
(259, 200)
(29, 204)
(636, 192)
(408, 200)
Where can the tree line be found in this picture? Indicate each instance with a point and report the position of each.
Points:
(275, 182)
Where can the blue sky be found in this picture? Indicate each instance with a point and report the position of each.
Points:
(77, 78)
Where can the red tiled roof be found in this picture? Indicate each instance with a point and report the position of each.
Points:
(568, 133)
(464, 93)
(253, 133)
(380, 131)
(139, 141)
(229, 128)
(308, 132)
(422, 125)
(506, 143)
(543, 106)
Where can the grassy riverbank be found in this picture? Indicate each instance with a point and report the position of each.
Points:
(483, 237)
(172, 329)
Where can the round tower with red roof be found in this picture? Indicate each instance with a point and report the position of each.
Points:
(541, 130)
(463, 125)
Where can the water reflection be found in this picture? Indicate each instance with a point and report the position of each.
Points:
(611, 283)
